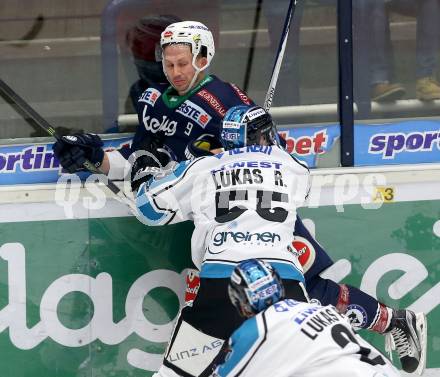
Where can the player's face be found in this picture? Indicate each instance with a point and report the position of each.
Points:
(178, 66)
(263, 140)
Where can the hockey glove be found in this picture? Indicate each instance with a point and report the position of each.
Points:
(73, 150)
(202, 146)
(149, 164)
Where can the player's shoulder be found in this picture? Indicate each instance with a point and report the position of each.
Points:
(152, 93)
(229, 93)
(291, 159)
(286, 306)
(183, 170)
(294, 309)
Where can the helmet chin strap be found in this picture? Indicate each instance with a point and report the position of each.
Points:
(193, 80)
(196, 73)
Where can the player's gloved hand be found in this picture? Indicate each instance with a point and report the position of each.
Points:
(202, 146)
(150, 164)
(73, 150)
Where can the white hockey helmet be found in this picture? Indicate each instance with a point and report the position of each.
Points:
(194, 34)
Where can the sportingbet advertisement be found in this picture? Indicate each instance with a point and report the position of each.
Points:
(307, 143)
(408, 142)
(95, 293)
(36, 163)
(374, 144)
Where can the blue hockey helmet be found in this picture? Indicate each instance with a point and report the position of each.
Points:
(254, 286)
(244, 125)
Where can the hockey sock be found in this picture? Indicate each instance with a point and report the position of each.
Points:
(363, 310)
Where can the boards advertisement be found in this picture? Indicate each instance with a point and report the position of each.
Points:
(96, 294)
(406, 142)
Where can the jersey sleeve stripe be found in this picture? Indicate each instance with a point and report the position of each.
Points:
(245, 343)
(303, 164)
(149, 209)
(175, 177)
(223, 269)
(242, 95)
(212, 101)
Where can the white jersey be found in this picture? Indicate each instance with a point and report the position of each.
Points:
(243, 203)
(294, 338)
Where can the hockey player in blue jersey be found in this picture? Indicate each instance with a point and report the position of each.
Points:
(180, 130)
(170, 116)
(286, 338)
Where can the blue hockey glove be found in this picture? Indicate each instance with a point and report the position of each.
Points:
(73, 150)
(202, 146)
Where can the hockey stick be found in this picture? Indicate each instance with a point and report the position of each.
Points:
(251, 54)
(30, 35)
(29, 114)
(279, 56)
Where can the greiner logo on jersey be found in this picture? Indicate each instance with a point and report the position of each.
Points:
(150, 96)
(194, 112)
(245, 238)
(389, 144)
(154, 125)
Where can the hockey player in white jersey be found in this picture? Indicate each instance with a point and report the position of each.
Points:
(286, 338)
(242, 201)
(243, 204)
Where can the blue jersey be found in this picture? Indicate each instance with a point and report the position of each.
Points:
(177, 120)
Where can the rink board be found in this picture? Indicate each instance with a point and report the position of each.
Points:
(95, 294)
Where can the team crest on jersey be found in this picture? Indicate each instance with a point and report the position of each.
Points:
(194, 112)
(357, 316)
(305, 252)
(150, 96)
